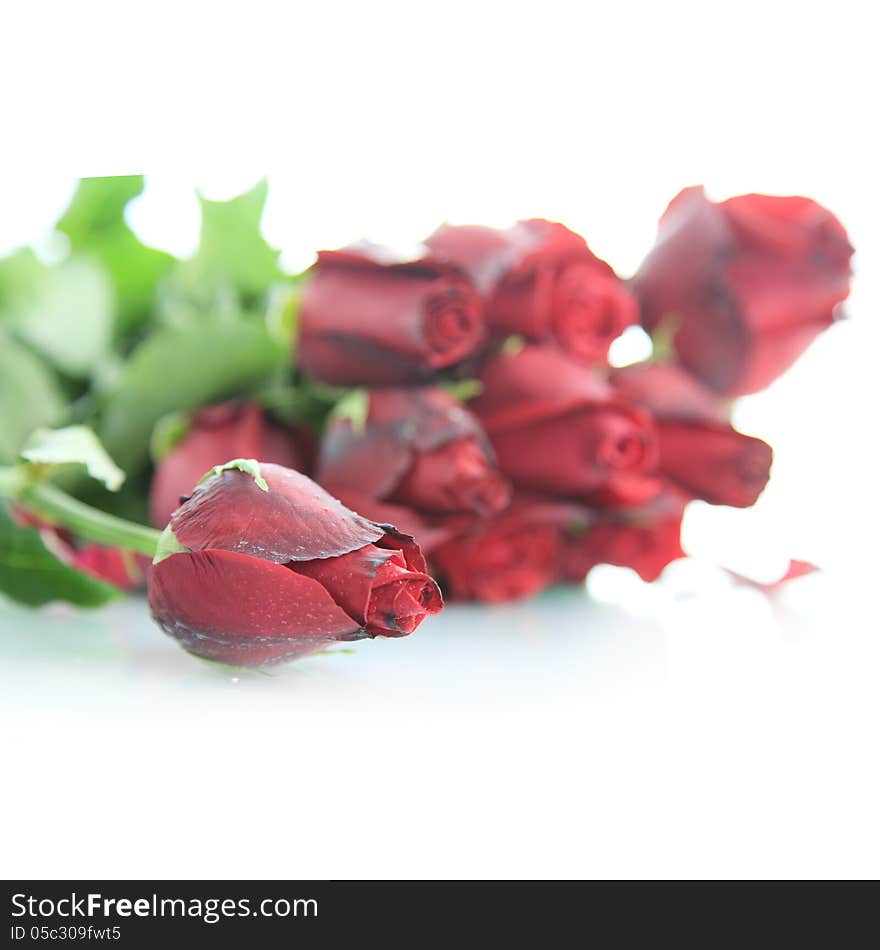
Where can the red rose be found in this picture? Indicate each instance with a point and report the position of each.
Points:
(745, 285)
(645, 539)
(418, 448)
(699, 451)
(123, 569)
(370, 319)
(541, 281)
(515, 554)
(267, 574)
(429, 530)
(557, 428)
(217, 433)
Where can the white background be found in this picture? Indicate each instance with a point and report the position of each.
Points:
(685, 729)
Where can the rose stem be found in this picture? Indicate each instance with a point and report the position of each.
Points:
(59, 508)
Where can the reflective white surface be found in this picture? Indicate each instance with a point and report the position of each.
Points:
(690, 734)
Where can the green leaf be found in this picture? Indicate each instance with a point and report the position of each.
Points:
(231, 248)
(180, 368)
(168, 545)
(463, 389)
(65, 311)
(31, 574)
(513, 344)
(95, 224)
(74, 445)
(249, 466)
(167, 432)
(353, 407)
(663, 338)
(282, 312)
(98, 205)
(29, 397)
(20, 272)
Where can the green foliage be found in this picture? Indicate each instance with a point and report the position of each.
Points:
(29, 396)
(77, 445)
(95, 224)
(64, 311)
(107, 335)
(232, 252)
(31, 574)
(167, 432)
(181, 368)
(248, 466)
(354, 407)
(168, 545)
(463, 389)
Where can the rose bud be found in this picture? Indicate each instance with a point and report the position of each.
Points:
(699, 451)
(645, 539)
(368, 318)
(744, 285)
(515, 554)
(429, 530)
(417, 447)
(261, 565)
(217, 433)
(557, 428)
(540, 281)
(123, 569)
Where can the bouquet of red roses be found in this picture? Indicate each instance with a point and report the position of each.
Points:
(448, 417)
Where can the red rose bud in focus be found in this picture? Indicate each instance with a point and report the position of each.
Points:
(261, 565)
(513, 555)
(745, 285)
(645, 539)
(699, 451)
(557, 428)
(540, 281)
(217, 433)
(418, 448)
(368, 318)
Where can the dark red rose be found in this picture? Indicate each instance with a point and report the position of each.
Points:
(557, 428)
(216, 434)
(699, 451)
(123, 569)
(419, 448)
(745, 285)
(267, 575)
(429, 530)
(512, 555)
(368, 318)
(645, 539)
(541, 281)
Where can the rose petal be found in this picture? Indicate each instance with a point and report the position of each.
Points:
(218, 433)
(427, 532)
(232, 607)
(367, 321)
(714, 463)
(795, 570)
(296, 520)
(370, 462)
(368, 583)
(532, 384)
